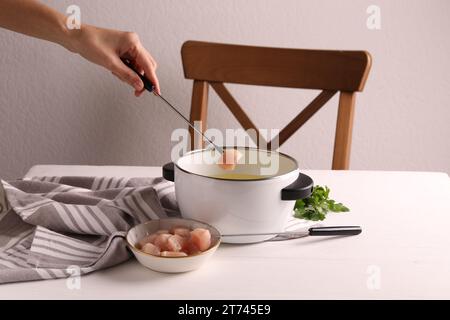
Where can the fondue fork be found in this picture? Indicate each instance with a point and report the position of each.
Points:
(148, 85)
(314, 231)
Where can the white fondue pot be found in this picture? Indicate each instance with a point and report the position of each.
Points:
(258, 196)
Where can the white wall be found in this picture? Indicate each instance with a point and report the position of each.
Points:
(57, 108)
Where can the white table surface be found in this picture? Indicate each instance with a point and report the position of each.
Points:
(403, 252)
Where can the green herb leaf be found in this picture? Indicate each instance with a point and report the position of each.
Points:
(317, 206)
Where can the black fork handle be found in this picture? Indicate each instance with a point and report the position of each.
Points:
(335, 231)
(147, 83)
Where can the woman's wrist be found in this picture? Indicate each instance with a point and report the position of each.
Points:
(70, 38)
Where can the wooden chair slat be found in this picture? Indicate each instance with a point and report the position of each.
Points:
(294, 68)
(344, 127)
(199, 108)
(303, 116)
(235, 108)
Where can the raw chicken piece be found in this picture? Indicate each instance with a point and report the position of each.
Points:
(161, 241)
(183, 232)
(229, 159)
(191, 249)
(147, 239)
(176, 243)
(201, 238)
(150, 248)
(180, 242)
(173, 254)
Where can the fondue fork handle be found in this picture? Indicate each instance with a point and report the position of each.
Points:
(335, 231)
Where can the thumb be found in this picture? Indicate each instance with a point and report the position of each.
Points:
(127, 75)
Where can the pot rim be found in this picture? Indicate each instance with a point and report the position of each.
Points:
(246, 180)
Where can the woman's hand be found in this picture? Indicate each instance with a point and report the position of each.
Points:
(105, 47)
(101, 46)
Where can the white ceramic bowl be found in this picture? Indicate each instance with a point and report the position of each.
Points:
(171, 264)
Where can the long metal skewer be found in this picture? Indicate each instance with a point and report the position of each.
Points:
(148, 85)
(189, 123)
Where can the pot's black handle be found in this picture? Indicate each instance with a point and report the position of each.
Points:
(168, 171)
(335, 231)
(299, 189)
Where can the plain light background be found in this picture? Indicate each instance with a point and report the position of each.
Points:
(56, 108)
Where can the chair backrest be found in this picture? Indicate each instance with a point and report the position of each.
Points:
(331, 71)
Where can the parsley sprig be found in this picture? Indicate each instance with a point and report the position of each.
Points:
(317, 206)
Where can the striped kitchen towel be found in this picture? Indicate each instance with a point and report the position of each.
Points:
(52, 227)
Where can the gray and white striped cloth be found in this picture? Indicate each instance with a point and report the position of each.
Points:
(51, 225)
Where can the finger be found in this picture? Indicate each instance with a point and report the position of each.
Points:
(118, 76)
(155, 65)
(127, 75)
(145, 62)
(121, 78)
(139, 69)
(138, 93)
(151, 74)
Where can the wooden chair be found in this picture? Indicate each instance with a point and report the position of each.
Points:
(328, 70)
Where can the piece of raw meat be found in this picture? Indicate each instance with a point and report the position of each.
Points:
(161, 241)
(150, 248)
(183, 232)
(191, 249)
(229, 159)
(173, 254)
(147, 239)
(176, 243)
(201, 238)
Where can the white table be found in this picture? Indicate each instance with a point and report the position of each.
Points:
(403, 251)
